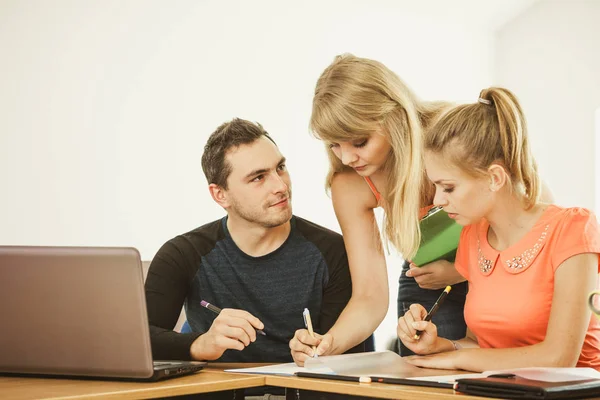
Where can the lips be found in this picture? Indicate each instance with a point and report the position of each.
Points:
(280, 202)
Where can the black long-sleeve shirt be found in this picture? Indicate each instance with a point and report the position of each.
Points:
(310, 269)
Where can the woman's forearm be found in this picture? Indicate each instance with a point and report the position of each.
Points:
(520, 357)
(358, 321)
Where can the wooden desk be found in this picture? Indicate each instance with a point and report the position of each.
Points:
(211, 379)
(376, 390)
(18, 388)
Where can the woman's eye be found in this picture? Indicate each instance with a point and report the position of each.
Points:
(449, 190)
(361, 144)
(332, 145)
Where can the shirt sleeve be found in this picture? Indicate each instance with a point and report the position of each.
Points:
(167, 285)
(462, 260)
(579, 233)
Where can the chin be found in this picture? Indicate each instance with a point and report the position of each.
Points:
(279, 220)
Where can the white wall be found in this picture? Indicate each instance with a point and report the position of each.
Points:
(550, 57)
(105, 105)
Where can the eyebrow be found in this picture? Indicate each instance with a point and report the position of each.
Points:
(441, 182)
(263, 170)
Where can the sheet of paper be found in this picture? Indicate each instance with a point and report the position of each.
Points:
(288, 369)
(377, 363)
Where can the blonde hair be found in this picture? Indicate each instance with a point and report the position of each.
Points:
(473, 136)
(357, 97)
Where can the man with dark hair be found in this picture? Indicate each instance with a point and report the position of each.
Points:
(260, 264)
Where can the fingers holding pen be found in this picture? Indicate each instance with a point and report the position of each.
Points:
(302, 345)
(405, 329)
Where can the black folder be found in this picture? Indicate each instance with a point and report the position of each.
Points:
(508, 386)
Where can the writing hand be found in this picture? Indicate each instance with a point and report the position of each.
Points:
(410, 323)
(301, 345)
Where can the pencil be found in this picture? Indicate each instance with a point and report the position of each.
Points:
(434, 309)
(308, 324)
(361, 379)
(217, 311)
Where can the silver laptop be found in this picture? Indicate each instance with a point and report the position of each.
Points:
(77, 311)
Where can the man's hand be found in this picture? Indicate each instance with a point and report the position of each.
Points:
(435, 275)
(232, 329)
(301, 345)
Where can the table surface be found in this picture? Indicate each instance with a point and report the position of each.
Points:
(27, 388)
(211, 379)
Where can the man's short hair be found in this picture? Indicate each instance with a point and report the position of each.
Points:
(229, 135)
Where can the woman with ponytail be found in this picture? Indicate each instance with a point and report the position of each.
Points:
(372, 126)
(530, 265)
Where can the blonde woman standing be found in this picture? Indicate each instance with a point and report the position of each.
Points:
(372, 125)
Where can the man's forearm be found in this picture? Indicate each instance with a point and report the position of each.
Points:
(171, 345)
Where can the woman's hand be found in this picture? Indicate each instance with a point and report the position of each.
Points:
(427, 341)
(301, 345)
(435, 275)
(446, 360)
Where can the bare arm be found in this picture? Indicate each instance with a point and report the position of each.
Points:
(569, 319)
(353, 203)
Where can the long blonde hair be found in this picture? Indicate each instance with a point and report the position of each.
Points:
(357, 97)
(473, 136)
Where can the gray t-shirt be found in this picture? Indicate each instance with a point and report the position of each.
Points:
(310, 269)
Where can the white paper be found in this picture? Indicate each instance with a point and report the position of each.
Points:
(374, 363)
(288, 369)
(390, 364)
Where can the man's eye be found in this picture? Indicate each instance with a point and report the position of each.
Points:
(282, 167)
(257, 178)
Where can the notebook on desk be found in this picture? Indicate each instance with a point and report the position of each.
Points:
(77, 311)
(534, 383)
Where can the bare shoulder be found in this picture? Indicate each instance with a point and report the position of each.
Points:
(350, 189)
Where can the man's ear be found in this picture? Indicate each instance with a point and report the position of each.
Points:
(498, 177)
(219, 195)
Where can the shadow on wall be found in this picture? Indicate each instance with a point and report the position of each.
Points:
(181, 320)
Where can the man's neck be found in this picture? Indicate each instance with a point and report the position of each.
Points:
(256, 240)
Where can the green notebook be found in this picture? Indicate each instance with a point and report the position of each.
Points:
(439, 237)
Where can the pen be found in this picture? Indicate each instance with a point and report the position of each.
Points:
(308, 324)
(434, 309)
(217, 310)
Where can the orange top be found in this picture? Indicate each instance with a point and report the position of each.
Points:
(510, 292)
(379, 198)
(374, 190)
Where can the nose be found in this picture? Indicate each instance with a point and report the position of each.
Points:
(439, 200)
(278, 183)
(347, 155)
